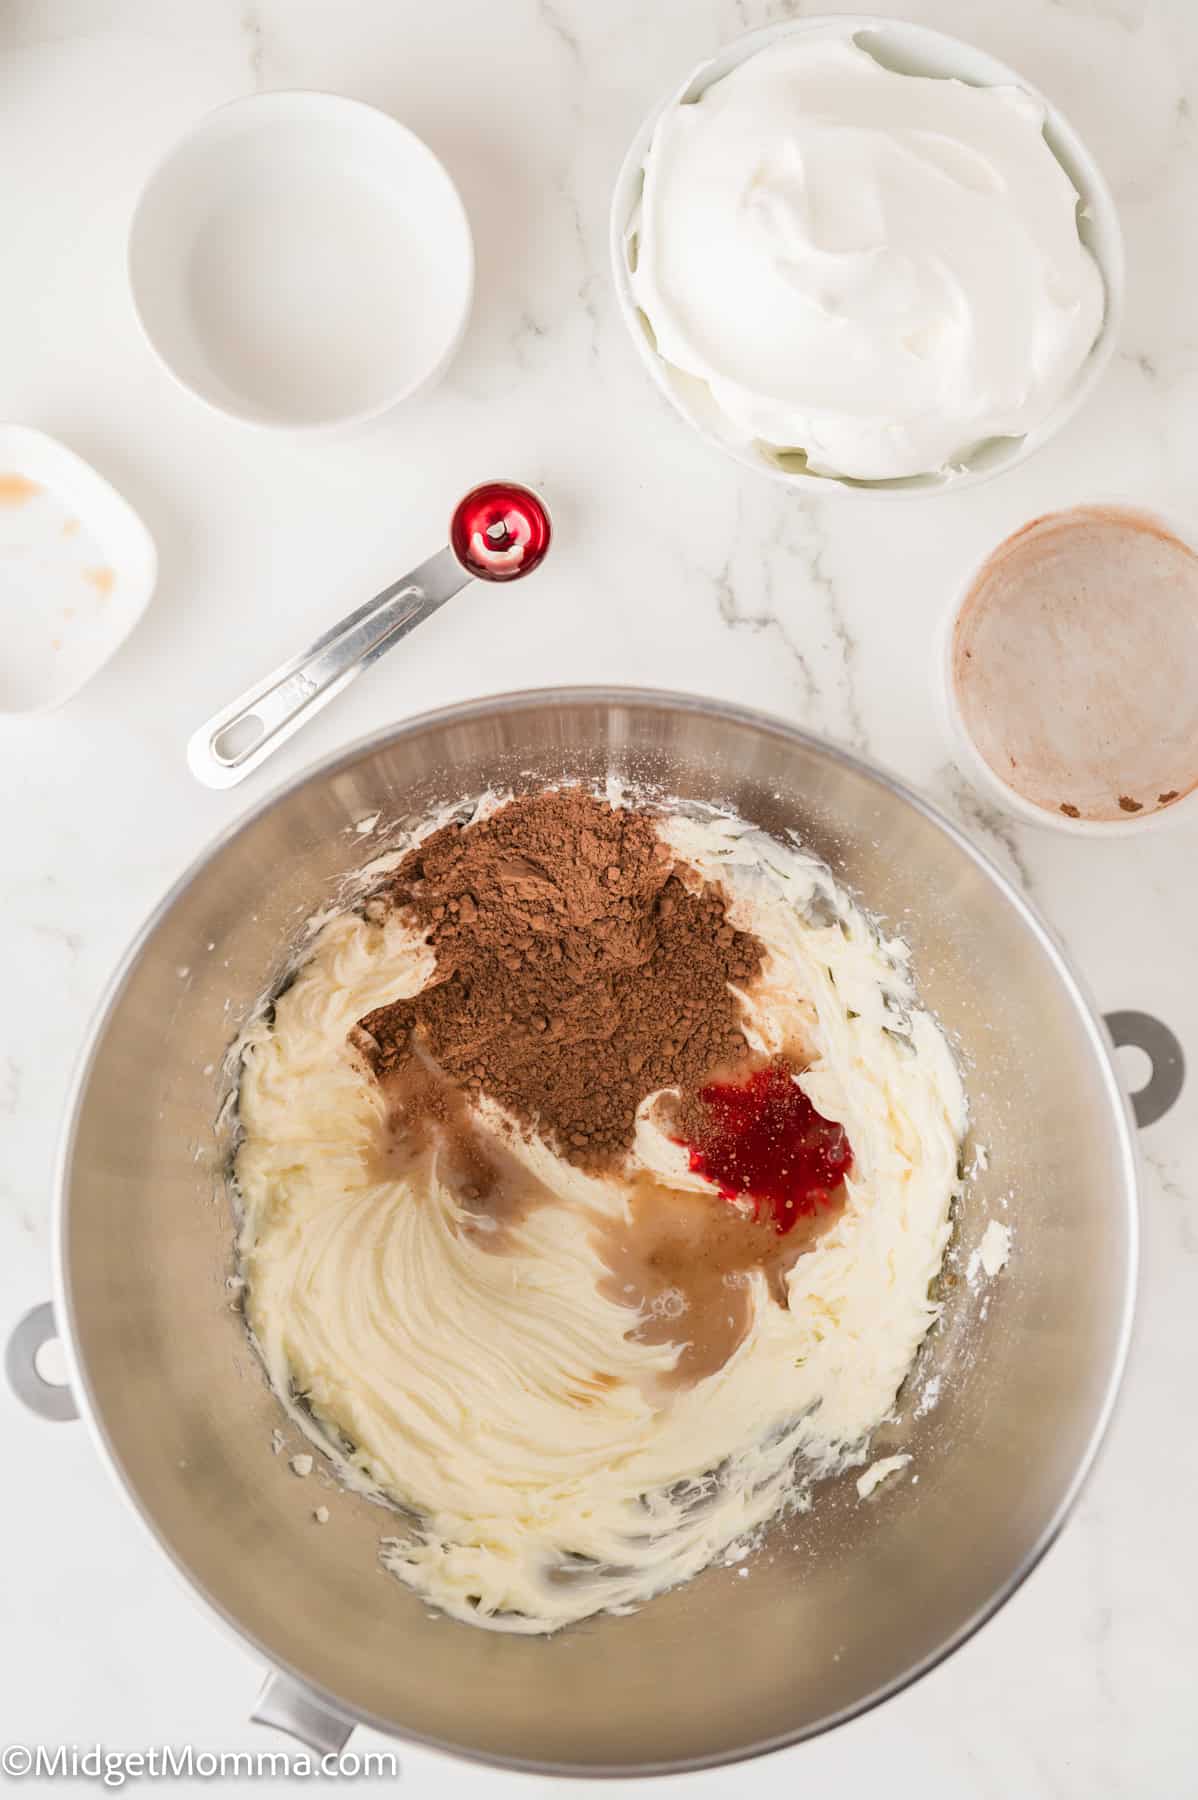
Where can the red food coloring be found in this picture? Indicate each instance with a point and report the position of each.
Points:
(500, 531)
(765, 1140)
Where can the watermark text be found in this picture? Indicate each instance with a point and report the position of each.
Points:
(174, 1762)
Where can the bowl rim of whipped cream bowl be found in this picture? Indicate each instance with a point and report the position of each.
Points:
(299, 1685)
(906, 48)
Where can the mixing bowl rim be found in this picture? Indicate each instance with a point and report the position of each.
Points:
(464, 712)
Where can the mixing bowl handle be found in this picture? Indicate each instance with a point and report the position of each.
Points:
(48, 1399)
(1160, 1046)
(293, 1709)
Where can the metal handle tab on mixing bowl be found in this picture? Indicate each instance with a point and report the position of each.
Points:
(291, 1708)
(242, 735)
(1160, 1046)
(48, 1399)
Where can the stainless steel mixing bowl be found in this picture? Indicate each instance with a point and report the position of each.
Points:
(845, 1604)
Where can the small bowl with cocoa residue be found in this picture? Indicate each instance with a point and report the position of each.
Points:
(1068, 671)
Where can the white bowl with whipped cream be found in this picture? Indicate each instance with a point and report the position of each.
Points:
(857, 252)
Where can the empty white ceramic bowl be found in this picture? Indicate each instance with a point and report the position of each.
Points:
(302, 260)
(913, 50)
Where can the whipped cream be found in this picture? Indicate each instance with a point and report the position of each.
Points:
(547, 1457)
(878, 271)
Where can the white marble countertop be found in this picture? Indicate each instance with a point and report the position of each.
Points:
(671, 568)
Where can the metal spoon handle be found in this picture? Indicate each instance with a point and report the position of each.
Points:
(234, 741)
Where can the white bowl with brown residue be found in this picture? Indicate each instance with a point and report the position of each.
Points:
(1068, 672)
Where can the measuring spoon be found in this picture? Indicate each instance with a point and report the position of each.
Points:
(499, 532)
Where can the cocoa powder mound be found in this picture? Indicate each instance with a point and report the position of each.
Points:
(577, 968)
